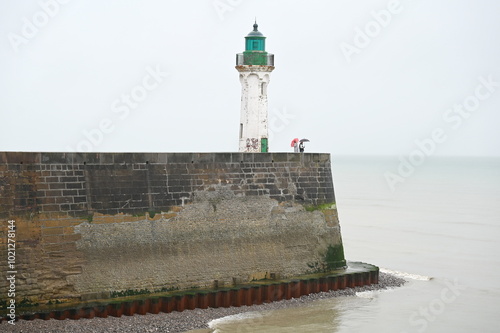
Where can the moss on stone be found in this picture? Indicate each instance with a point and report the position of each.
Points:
(129, 292)
(334, 257)
(27, 303)
(89, 217)
(312, 208)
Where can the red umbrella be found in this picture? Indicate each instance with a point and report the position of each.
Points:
(294, 141)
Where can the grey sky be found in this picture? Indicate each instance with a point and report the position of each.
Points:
(69, 75)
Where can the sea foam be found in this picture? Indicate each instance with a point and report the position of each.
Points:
(405, 275)
(254, 316)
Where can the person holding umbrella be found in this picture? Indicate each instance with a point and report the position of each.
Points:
(295, 145)
(301, 145)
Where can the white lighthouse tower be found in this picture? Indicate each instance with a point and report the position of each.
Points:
(255, 66)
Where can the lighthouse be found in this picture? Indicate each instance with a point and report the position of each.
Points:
(254, 66)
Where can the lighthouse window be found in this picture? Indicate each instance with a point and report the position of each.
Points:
(263, 88)
(255, 45)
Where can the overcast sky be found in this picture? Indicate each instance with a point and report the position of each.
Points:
(373, 77)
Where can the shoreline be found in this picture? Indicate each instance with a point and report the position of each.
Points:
(186, 321)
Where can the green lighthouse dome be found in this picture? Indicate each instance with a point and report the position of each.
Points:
(255, 50)
(255, 31)
(255, 40)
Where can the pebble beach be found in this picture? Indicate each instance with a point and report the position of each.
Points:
(179, 322)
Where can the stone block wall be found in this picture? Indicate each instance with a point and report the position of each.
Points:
(88, 225)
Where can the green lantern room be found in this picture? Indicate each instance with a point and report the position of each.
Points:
(255, 50)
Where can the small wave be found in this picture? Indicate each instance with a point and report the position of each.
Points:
(373, 293)
(405, 275)
(240, 316)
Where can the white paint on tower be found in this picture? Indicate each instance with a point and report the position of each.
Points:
(254, 66)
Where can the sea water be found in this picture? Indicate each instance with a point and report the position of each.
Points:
(439, 229)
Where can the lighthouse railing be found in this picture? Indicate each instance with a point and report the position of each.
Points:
(244, 59)
(239, 59)
(270, 59)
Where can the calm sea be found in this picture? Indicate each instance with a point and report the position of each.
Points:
(440, 228)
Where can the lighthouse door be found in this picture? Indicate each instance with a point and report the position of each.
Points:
(263, 145)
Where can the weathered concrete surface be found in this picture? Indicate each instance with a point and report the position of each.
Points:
(217, 237)
(92, 224)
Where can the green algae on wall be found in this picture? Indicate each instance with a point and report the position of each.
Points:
(320, 207)
(335, 256)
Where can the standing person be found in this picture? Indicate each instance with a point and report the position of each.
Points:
(301, 147)
(295, 145)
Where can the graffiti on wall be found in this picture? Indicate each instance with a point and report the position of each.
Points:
(252, 144)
